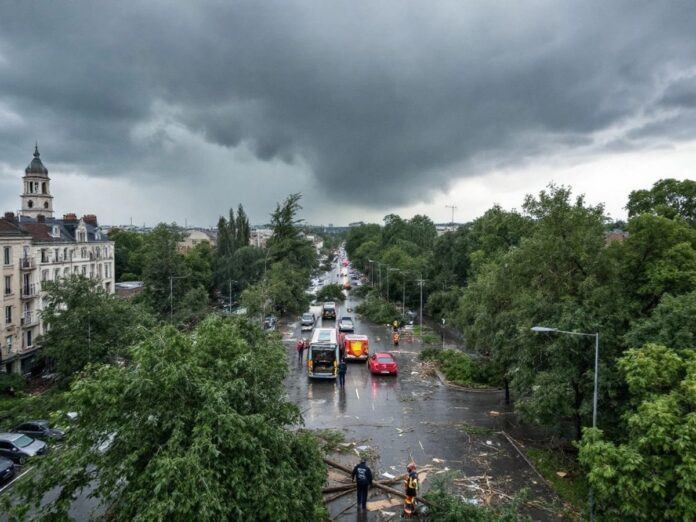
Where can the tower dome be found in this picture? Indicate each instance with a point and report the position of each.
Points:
(36, 166)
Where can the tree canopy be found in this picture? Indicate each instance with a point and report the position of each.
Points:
(191, 427)
(85, 324)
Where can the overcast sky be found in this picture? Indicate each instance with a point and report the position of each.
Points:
(173, 111)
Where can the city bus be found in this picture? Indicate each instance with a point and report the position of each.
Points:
(323, 355)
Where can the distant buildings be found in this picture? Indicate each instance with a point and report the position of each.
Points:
(258, 237)
(196, 236)
(35, 248)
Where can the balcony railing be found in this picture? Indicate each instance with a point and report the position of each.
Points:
(29, 291)
(29, 319)
(27, 263)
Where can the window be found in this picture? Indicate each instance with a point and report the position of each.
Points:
(107, 270)
(44, 275)
(29, 339)
(8, 315)
(83, 252)
(65, 254)
(7, 255)
(8, 285)
(99, 270)
(56, 253)
(84, 270)
(56, 274)
(46, 204)
(9, 343)
(91, 270)
(44, 255)
(30, 204)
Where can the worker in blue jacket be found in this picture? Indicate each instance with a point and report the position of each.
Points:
(362, 476)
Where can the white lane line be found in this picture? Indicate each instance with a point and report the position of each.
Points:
(356, 393)
(421, 445)
(17, 477)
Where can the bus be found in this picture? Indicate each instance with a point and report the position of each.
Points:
(323, 355)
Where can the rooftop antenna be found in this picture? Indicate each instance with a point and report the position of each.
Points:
(453, 207)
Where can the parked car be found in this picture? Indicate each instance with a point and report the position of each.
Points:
(383, 363)
(308, 320)
(270, 323)
(39, 429)
(19, 447)
(328, 311)
(346, 324)
(7, 470)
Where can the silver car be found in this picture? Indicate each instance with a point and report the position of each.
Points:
(19, 447)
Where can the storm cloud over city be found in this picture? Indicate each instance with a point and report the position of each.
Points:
(169, 110)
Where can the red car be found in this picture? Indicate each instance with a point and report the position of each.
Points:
(383, 363)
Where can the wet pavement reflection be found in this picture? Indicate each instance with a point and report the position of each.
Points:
(409, 416)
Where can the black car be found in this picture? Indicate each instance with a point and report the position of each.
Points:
(39, 429)
(7, 469)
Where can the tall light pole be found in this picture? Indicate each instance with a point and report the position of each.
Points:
(453, 207)
(545, 329)
(420, 282)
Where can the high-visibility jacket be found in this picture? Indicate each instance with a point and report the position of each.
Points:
(412, 484)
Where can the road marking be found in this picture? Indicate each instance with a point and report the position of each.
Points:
(17, 477)
(421, 445)
(356, 393)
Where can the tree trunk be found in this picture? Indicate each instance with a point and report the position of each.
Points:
(506, 383)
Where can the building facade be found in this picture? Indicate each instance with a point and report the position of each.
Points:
(35, 248)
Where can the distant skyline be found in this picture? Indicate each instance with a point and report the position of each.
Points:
(174, 111)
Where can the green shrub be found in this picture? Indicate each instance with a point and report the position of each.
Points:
(362, 291)
(449, 506)
(461, 369)
(331, 292)
(11, 383)
(378, 311)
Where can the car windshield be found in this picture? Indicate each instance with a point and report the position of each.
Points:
(385, 360)
(307, 317)
(23, 441)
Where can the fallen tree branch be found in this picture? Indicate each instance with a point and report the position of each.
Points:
(377, 485)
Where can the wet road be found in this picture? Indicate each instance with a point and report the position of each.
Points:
(409, 417)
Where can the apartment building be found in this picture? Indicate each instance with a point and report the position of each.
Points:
(36, 247)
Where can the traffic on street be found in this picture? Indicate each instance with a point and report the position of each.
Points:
(405, 416)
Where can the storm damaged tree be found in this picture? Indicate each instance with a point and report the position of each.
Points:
(192, 427)
(85, 324)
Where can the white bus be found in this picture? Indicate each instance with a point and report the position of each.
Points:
(323, 356)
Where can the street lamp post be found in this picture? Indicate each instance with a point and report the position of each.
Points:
(420, 281)
(546, 329)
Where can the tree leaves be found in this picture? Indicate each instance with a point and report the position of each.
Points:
(193, 427)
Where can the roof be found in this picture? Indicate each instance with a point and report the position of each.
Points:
(324, 336)
(36, 166)
(41, 231)
(10, 228)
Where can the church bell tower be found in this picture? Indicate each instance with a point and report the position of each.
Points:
(36, 198)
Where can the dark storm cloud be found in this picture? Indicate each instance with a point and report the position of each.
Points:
(389, 100)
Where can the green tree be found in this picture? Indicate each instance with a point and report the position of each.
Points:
(286, 243)
(85, 324)
(199, 263)
(242, 228)
(128, 256)
(331, 292)
(670, 324)
(193, 428)
(668, 197)
(163, 266)
(651, 473)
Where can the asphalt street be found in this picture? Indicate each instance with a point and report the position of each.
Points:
(410, 416)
